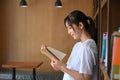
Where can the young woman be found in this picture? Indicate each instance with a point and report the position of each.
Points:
(83, 59)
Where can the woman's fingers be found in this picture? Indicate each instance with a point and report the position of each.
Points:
(43, 48)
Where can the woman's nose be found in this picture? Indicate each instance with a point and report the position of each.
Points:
(68, 31)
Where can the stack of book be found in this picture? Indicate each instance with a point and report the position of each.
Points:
(104, 49)
(114, 54)
(115, 65)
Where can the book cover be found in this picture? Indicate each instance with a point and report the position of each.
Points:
(52, 52)
(119, 72)
(106, 53)
(115, 56)
(104, 47)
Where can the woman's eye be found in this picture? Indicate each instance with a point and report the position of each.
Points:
(69, 27)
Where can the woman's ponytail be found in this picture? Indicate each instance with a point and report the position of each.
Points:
(92, 29)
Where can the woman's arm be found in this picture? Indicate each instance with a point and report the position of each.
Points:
(76, 75)
(58, 65)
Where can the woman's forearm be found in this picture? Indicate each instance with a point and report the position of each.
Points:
(76, 75)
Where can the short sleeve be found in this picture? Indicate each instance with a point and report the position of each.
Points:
(87, 61)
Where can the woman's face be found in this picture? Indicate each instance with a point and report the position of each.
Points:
(74, 31)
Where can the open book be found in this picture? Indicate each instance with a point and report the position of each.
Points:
(51, 52)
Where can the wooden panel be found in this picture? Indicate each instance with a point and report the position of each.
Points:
(23, 30)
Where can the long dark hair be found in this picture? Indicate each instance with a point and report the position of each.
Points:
(77, 16)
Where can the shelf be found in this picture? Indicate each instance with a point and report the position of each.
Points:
(104, 70)
(107, 19)
(96, 14)
(103, 2)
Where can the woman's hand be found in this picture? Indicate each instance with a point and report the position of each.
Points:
(57, 65)
(43, 48)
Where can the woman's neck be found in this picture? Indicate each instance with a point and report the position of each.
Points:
(85, 36)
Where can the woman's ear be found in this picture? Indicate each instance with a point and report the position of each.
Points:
(80, 25)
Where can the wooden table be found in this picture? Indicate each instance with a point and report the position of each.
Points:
(24, 65)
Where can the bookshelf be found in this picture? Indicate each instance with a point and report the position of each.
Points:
(107, 19)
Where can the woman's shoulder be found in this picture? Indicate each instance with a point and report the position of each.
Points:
(89, 43)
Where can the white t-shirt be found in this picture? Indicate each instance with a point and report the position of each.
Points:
(83, 58)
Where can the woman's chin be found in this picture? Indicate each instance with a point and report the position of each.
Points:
(75, 38)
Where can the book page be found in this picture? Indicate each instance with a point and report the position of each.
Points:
(116, 33)
(60, 55)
